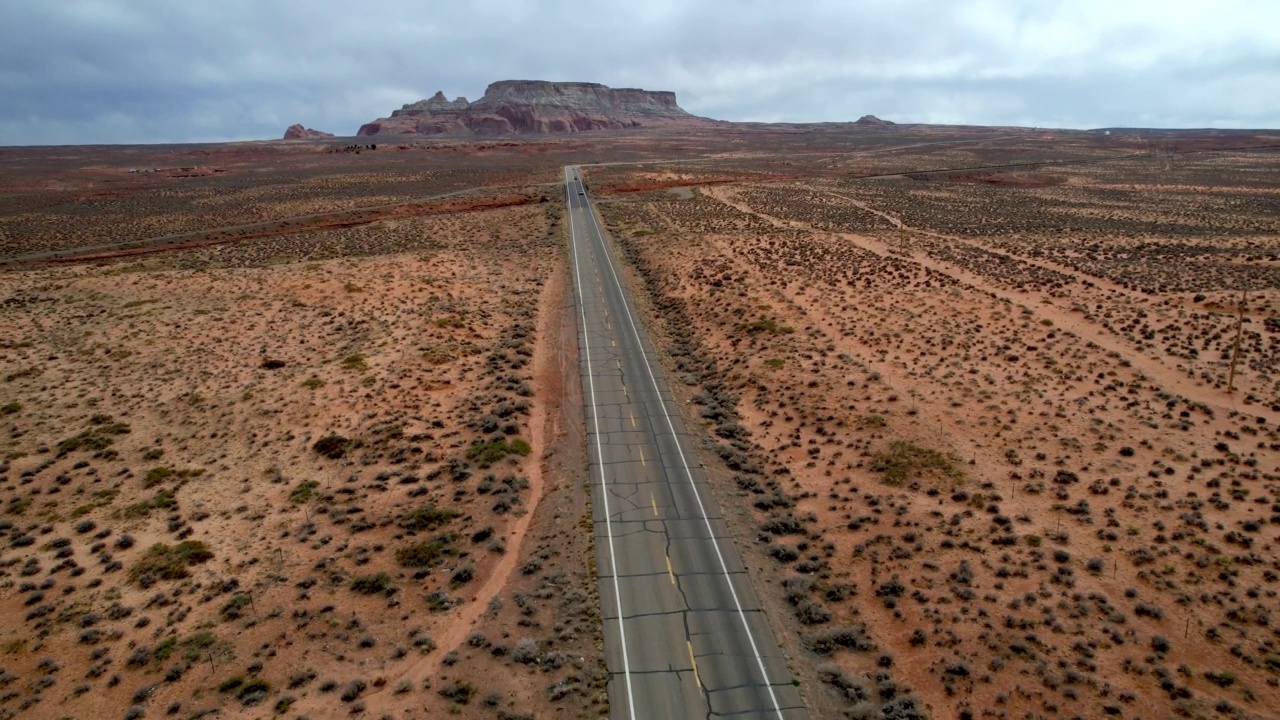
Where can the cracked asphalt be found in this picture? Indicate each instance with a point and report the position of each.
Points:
(684, 633)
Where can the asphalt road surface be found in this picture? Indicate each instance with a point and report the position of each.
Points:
(684, 633)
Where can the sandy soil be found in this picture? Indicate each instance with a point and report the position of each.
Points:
(305, 473)
(1004, 480)
(968, 388)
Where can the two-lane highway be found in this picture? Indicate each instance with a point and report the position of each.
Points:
(684, 633)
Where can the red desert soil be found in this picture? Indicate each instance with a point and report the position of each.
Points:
(305, 473)
(990, 469)
(975, 438)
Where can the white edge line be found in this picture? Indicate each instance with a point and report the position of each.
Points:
(724, 569)
(595, 417)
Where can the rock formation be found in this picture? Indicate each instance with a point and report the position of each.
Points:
(536, 106)
(297, 132)
(872, 120)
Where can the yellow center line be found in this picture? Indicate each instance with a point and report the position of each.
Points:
(671, 574)
(654, 504)
(633, 418)
(694, 662)
(642, 460)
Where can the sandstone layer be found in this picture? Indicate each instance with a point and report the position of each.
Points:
(535, 106)
(298, 132)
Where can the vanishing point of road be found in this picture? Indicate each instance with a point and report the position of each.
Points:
(684, 633)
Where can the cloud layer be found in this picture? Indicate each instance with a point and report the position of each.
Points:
(109, 71)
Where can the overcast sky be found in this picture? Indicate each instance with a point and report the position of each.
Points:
(123, 71)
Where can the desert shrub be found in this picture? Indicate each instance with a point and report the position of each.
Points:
(783, 553)
(158, 475)
(253, 692)
(231, 684)
(371, 584)
(486, 454)
(355, 362)
(234, 608)
(1221, 679)
(353, 689)
(893, 587)
(459, 691)
(825, 642)
(428, 552)
(97, 438)
(783, 524)
(811, 613)
(272, 364)
(303, 491)
(428, 517)
(299, 679)
(463, 575)
(904, 461)
(164, 498)
(164, 562)
(768, 325)
(526, 651)
(11, 408)
(332, 446)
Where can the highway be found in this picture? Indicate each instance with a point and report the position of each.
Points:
(684, 633)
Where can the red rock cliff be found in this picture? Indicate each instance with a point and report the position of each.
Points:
(536, 106)
(297, 132)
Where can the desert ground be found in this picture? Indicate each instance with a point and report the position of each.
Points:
(978, 421)
(318, 472)
(293, 430)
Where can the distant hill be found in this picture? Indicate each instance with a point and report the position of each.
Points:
(297, 132)
(537, 106)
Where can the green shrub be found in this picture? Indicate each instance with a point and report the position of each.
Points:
(428, 517)
(24, 373)
(164, 562)
(303, 492)
(313, 383)
(486, 454)
(96, 438)
(765, 325)
(459, 691)
(253, 691)
(164, 498)
(157, 475)
(371, 584)
(428, 552)
(234, 608)
(11, 408)
(1221, 679)
(355, 362)
(332, 446)
(164, 649)
(904, 461)
(197, 644)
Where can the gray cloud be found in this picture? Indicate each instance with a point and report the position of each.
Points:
(85, 71)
